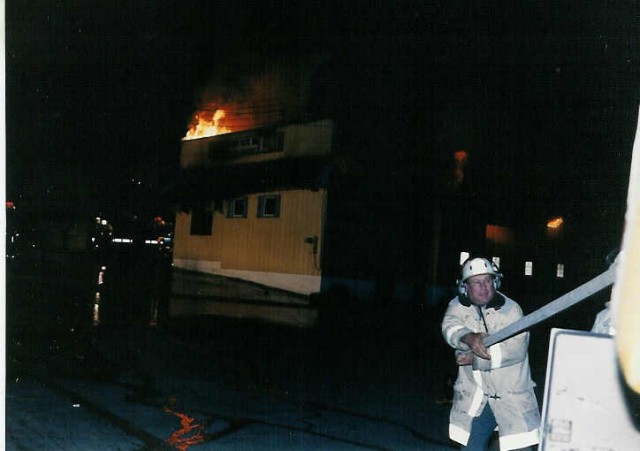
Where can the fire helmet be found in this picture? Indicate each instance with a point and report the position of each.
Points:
(477, 266)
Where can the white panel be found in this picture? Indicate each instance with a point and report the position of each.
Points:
(528, 268)
(584, 406)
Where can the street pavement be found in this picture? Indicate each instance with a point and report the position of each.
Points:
(202, 382)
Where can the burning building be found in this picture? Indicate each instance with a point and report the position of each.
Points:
(254, 205)
(310, 208)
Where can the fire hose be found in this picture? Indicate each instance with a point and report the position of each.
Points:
(565, 301)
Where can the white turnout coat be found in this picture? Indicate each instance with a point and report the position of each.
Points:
(506, 385)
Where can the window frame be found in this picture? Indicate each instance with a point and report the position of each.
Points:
(263, 203)
(201, 221)
(232, 207)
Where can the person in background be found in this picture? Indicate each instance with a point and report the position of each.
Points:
(494, 386)
(603, 323)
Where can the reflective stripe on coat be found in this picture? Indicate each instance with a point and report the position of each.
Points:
(507, 386)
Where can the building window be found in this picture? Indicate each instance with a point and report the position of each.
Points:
(528, 268)
(237, 208)
(269, 206)
(201, 221)
(279, 142)
(560, 270)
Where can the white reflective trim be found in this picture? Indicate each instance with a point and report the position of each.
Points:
(477, 376)
(476, 402)
(495, 352)
(457, 434)
(452, 330)
(521, 440)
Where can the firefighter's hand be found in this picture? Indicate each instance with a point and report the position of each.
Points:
(479, 363)
(464, 358)
(474, 340)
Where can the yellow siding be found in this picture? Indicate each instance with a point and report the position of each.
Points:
(260, 244)
(185, 244)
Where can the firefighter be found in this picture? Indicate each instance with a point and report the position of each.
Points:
(494, 385)
(603, 323)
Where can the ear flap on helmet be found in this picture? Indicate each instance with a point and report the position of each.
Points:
(462, 293)
(462, 287)
(497, 278)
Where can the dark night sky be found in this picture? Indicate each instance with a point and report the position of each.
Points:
(543, 94)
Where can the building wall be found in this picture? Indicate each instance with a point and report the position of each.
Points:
(259, 249)
(300, 140)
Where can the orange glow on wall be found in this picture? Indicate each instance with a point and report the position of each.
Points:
(461, 157)
(499, 234)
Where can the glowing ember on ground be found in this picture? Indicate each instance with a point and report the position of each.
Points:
(190, 434)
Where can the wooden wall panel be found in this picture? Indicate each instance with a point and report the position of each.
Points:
(260, 244)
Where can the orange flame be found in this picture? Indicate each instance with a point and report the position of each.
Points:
(204, 127)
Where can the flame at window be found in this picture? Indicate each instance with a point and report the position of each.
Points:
(203, 127)
(217, 118)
